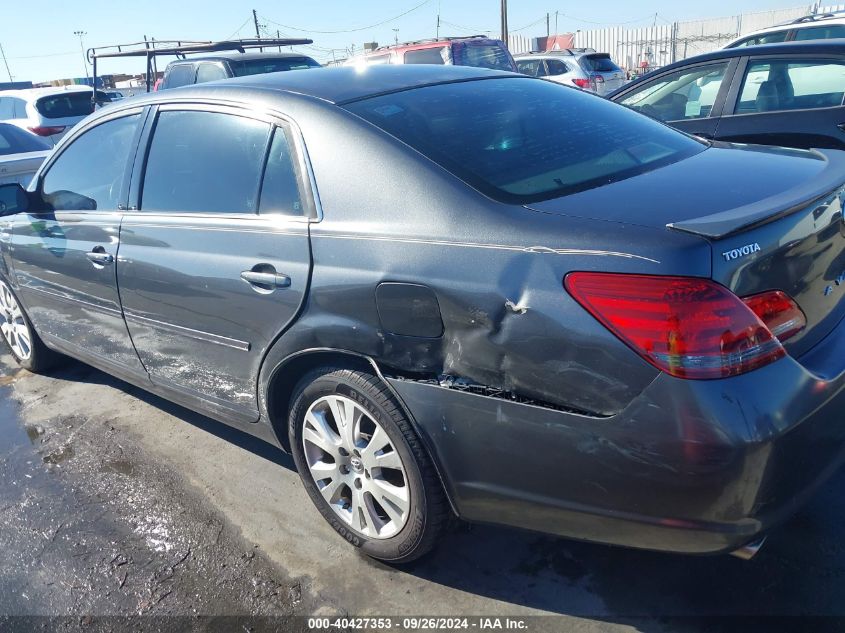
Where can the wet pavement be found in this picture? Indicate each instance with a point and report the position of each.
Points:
(115, 502)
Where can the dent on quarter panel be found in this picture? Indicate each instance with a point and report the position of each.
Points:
(497, 271)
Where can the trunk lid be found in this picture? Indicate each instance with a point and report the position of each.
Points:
(773, 218)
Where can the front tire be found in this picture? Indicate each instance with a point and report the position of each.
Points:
(364, 467)
(17, 331)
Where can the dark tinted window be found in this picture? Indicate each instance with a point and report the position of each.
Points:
(88, 174)
(768, 38)
(14, 140)
(210, 72)
(204, 162)
(261, 66)
(522, 139)
(531, 67)
(437, 55)
(67, 104)
(556, 67)
(280, 190)
(180, 75)
(482, 56)
(820, 32)
(598, 64)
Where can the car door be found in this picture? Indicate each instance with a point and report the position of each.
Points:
(64, 257)
(689, 98)
(789, 100)
(215, 261)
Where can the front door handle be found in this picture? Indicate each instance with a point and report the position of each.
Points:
(99, 257)
(266, 280)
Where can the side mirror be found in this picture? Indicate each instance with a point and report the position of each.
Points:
(13, 199)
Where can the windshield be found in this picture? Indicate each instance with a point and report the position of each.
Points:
(598, 64)
(523, 140)
(14, 140)
(490, 55)
(245, 67)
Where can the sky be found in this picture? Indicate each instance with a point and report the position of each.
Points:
(40, 44)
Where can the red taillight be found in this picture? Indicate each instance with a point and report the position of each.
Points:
(581, 83)
(779, 312)
(685, 326)
(47, 131)
(598, 79)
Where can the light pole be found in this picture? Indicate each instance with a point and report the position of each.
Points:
(396, 36)
(80, 35)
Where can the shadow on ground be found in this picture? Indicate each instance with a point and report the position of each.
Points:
(798, 572)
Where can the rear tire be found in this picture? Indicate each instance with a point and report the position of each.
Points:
(19, 335)
(364, 467)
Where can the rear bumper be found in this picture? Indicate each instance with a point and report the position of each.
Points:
(689, 466)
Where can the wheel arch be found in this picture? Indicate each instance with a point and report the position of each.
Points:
(286, 374)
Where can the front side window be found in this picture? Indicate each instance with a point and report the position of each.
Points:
(88, 174)
(210, 72)
(438, 55)
(280, 189)
(684, 94)
(204, 162)
(521, 140)
(783, 85)
(829, 32)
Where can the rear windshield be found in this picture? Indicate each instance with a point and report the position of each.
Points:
(483, 56)
(262, 66)
(68, 104)
(522, 140)
(14, 140)
(598, 64)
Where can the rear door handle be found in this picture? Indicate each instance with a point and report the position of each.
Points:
(266, 280)
(101, 258)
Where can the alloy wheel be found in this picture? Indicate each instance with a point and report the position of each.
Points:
(13, 324)
(356, 467)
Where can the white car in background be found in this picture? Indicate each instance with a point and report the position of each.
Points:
(21, 153)
(47, 112)
(822, 26)
(584, 68)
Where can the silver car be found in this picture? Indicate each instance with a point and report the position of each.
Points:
(586, 69)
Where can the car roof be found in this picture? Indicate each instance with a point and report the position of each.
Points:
(237, 57)
(36, 93)
(342, 84)
(817, 47)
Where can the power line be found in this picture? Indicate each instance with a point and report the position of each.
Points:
(239, 29)
(572, 17)
(464, 28)
(363, 28)
(522, 28)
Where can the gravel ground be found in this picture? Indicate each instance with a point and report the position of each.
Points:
(116, 503)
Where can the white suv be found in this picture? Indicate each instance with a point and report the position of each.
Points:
(823, 26)
(47, 112)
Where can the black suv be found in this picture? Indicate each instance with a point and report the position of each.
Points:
(773, 94)
(197, 70)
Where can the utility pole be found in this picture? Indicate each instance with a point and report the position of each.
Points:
(396, 36)
(556, 31)
(438, 26)
(80, 35)
(548, 28)
(3, 53)
(278, 37)
(505, 22)
(257, 31)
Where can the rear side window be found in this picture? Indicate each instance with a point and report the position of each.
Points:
(261, 66)
(204, 162)
(556, 67)
(531, 67)
(7, 109)
(598, 64)
(522, 140)
(438, 55)
(767, 38)
(482, 56)
(782, 85)
(829, 32)
(14, 140)
(88, 174)
(280, 189)
(377, 60)
(210, 72)
(180, 75)
(68, 104)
